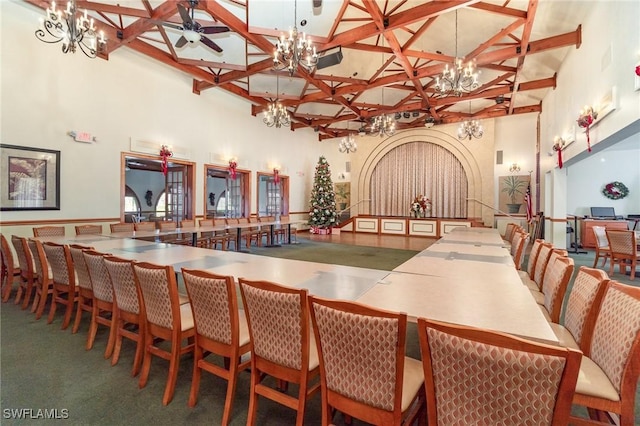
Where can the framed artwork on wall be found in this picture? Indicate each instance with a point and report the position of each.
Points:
(511, 193)
(30, 178)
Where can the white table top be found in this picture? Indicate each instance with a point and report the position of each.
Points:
(475, 252)
(492, 305)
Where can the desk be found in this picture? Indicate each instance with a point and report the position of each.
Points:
(587, 238)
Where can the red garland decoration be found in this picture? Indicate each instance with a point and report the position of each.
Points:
(638, 70)
(232, 169)
(557, 146)
(276, 176)
(585, 120)
(165, 153)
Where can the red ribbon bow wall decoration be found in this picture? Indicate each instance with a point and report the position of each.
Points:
(638, 70)
(276, 176)
(558, 144)
(232, 169)
(585, 120)
(165, 153)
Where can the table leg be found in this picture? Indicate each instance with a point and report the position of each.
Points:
(273, 244)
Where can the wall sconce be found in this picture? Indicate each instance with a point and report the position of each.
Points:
(514, 168)
(586, 118)
(558, 146)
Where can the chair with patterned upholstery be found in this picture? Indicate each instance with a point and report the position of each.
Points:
(102, 309)
(166, 320)
(555, 254)
(535, 282)
(42, 278)
(144, 226)
(220, 329)
(83, 283)
(610, 366)
(282, 344)
(363, 369)
(48, 231)
(527, 274)
(554, 287)
(127, 317)
(518, 248)
(122, 227)
(508, 230)
(582, 306)
(476, 376)
(9, 269)
(88, 229)
(26, 270)
(624, 250)
(63, 277)
(602, 245)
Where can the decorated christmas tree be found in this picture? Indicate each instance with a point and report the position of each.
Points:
(322, 207)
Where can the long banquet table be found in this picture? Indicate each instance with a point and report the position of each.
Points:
(481, 290)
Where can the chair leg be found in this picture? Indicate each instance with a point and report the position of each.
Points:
(253, 396)
(112, 338)
(27, 295)
(76, 321)
(231, 391)
(140, 346)
(146, 361)
(595, 261)
(195, 380)
(117, 324)
(52, 310)
(302, 402)
(174, 364)
(68, 311)
(93, 327)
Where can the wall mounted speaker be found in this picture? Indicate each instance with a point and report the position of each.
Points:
(498, 157)
(347, 167)
(330, 59)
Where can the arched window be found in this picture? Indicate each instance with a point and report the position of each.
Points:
(161, 204)
(131, 201)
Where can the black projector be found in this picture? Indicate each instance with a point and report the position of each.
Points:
(330, 59)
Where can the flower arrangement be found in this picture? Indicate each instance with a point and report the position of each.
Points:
(586, 118)
(420, 206)
(615, 190)
(232, 169)
(165, 153)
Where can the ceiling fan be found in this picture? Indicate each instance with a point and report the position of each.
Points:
(192, 31)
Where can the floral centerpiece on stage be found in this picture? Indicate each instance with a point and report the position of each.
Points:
(421, 206)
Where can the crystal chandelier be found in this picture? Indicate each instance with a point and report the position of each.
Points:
(470, 128)
(383, 125)
(348, 144)
(72, 29)
(276, 114)
(458, 79)
(294, 50)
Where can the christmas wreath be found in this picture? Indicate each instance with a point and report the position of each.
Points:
(615, 190)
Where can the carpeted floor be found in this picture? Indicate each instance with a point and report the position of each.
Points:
(43, 367)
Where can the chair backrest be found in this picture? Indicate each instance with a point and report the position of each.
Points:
(232, 220)
(124, 284)
(214, 304)
(533, 257)
(622, 243)
(122, 227)
(278, 319)
(82, 274)
(508, 230)
(267, 218)
(477, 376)
(23, 254)
(159, 292)
(205, 222)
(583, 303)
(541, 263)
(243, 220)
(167, 226)
(48, 231)
(40, 265)
(554, 287)
(88, 229)
(518, 247)
(600, 235)
(187, 223)
(59, 258)
(615, 345)
(145, 226)
(100, 278)
(361, 352)
(8, 264)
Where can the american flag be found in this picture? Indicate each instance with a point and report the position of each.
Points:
(527, 200)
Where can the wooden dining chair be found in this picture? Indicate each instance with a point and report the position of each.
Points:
(219, 329)
(602, 245)
(508, 231)
(144, 226)
(527, 275)
(624, 251)
(128, 320)
(282, 344)
(476, 376)
(535, 283)
(42, 278)
(519, 247)
(554, 287)
(187, 223)
(122, 227)
(102, 308)
(229, 235)
(582, 307)
(284, 232)
(83, 282)
(63, 279)
(10, 271)
(48, 231)
(88, 229)
(610, 366)
(166, 320)
(554, 254)
(26, 270)
(364, 372)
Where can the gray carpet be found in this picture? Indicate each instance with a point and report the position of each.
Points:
(45, 368)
